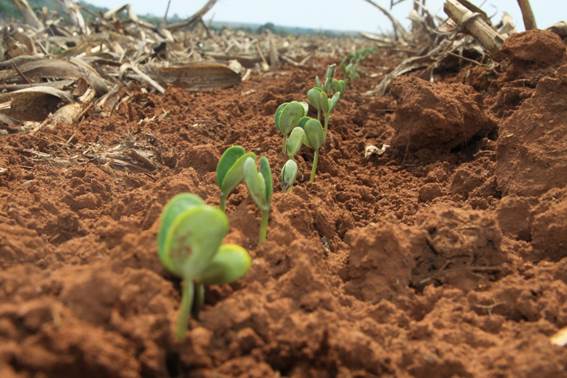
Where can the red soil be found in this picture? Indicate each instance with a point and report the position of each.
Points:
(442, 258)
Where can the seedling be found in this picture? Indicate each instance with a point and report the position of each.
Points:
(349, 64)
(319, 100)
(314, 138)
(288, 175)
(331, 85)
(230, 171)
(190, 247)
(260, 188)
(318, 96)
(287, 117)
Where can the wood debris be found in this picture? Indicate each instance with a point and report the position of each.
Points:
(56, 60)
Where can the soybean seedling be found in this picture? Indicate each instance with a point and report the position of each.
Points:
(349, 64)
(190, 247)
(319, 100)
(289, 170)
(260, 188)
(288, 175)
(287, 117)
(314, 138)
(230, 171)
(318, 96)
(331, 85)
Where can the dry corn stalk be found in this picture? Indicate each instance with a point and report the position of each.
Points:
(475, 24)
(527, 14)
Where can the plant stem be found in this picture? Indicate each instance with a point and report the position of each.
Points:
(187, 294)
(264, 226)
(326, 117)
(284, 146)
(314, 167)
(199, 299)
(223, 202)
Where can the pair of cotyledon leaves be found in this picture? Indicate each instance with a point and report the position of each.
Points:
(293, 123)
(236, 165)
(309, 132)
(288, 115)
(190, 242)
(319, 99)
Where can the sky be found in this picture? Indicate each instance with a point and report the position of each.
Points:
(354, 15)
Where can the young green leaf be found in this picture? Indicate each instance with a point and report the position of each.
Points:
(314, 133)
(227, 160)
(193, 240)
(289, 174)
(234, 176)
(266, 172)
(339, 86)
(301, 124)
(329, 74)
(255, 183)
(290, 115)
(278, 116)
(229, 264)
(334, 100)
(314, 97)
(294, 141)
(318, 82)
(174, 207)
(260, 188)
(318, 99)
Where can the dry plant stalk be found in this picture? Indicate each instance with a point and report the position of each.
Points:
(399, 31)
(475, 24)
(527, 14)
(194, 18)
(74, 12)
(28, 13)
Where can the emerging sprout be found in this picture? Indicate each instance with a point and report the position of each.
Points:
(230, 171)
(260, 188)
(331, 85)
(288, 175)
(295, 141)
(349, 64)
(314, 138)
(319, 99)
(350, 71)
(189, 246)
(287, 117)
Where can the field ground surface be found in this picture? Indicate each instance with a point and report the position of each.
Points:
(444, 257)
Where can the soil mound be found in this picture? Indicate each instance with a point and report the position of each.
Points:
(436, 116)
(539, 47)
(532, 143)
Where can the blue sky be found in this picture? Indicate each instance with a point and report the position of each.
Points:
(354, 15)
